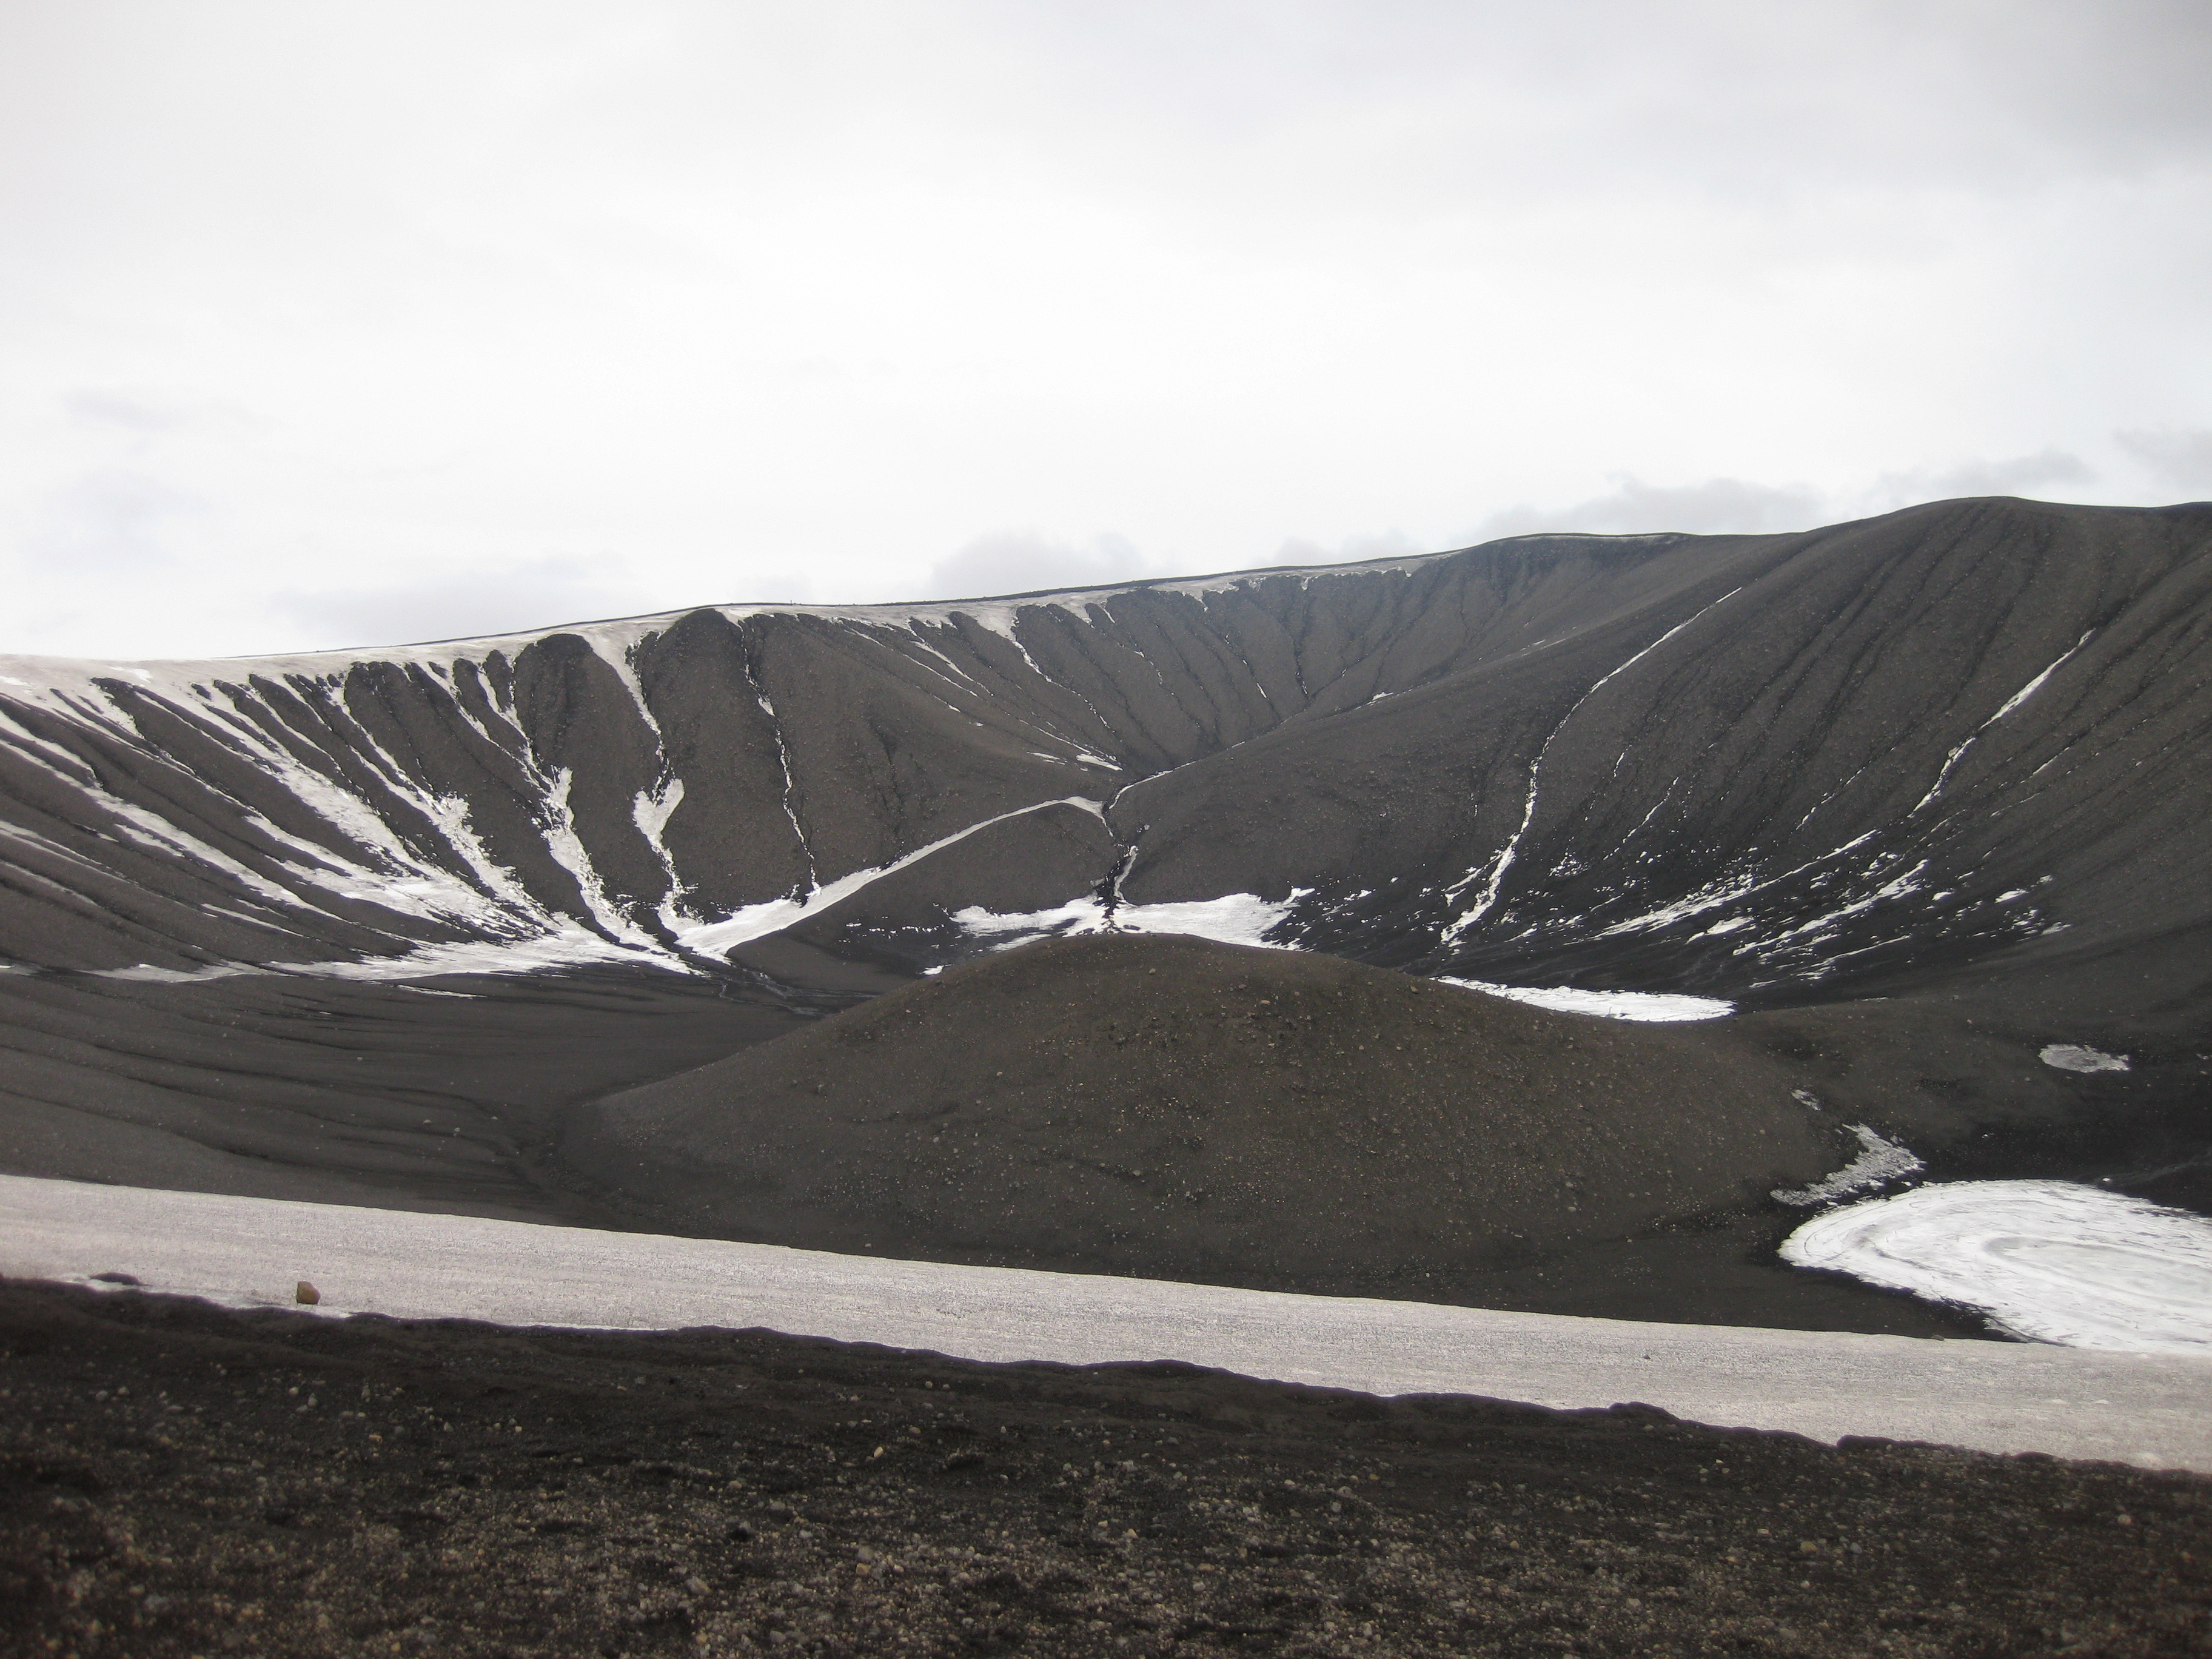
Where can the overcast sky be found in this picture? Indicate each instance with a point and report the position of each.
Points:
(327, 323)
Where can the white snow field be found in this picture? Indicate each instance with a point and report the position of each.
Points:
(1608, 1004)
(1232, 919)
(2074, 1057)
(2049, 1260)
(1878, 1160)
(2153, 1410)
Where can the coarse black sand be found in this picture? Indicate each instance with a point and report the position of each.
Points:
(1173, 1108)
(178, 1479)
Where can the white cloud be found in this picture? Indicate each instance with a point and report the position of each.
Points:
(2177, 460)
(112, 522)
(1743, 506)
(532, 593)
(1716, 507)
(1024, 561)
(421, 296)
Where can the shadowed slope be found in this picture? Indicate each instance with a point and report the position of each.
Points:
(1171, 1106)
(1956, 755)
(397, 1096)
(1975, 730)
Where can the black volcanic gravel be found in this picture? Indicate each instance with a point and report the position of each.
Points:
(178, 1479)
(1176, 1108)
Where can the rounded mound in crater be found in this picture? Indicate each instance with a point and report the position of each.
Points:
(1173, 1108)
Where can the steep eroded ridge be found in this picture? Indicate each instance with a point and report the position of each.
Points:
(1743, 765)
(1922, 795)
(622, 784)
(1899, 746)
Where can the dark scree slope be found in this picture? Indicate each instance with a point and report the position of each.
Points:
(1765, 765)
(1171, 1106)
(1954, 756)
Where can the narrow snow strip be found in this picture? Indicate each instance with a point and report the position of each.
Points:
(1610, 1005)
(2001, 1397)
(650, 810)
(2048, 1260)
(558, 831)
(2036, 684)
(1726, 890)
(783, 761)
(1878, 1160)
(1942, 774)
(1004, 929)
(147, 973)
(571, 947)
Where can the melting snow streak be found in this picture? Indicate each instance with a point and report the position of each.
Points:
(1495, 876)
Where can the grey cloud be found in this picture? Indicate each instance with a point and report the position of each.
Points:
(529, 594)
(1020, 561)
(2022, 475)
(1731, 97)
(1741, 507)
(1716, 507)
(2177, 460)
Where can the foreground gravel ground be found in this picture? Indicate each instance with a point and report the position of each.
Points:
(177, 1479)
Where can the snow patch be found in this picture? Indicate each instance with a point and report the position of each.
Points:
(557, 947)
(1878, 1160)
(1609, 1005)
(1005, 929)
(1995, 1396)
(570, 947)
(2044, 1261)
(2074, 1057)
(1232, 919)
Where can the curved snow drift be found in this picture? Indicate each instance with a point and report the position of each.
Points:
(2047, 1261)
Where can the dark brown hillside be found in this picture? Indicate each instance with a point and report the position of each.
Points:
(1972, 731)
(1922, 794)
(1168, 1107)
(177, 1478)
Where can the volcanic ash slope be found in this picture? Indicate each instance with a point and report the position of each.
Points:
(1169, 1107)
